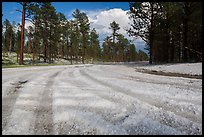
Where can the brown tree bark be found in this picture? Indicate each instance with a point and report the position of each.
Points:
(151, 35)
(22, 33)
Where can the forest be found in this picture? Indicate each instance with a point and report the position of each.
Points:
(172, 32)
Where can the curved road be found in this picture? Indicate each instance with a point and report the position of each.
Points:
(98, 99)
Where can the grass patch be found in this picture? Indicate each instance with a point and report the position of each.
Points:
(9, 60)
(29, 65)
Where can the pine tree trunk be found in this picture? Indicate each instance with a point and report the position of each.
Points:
(76, 56)
(185, 42)
(58, 53)
(45, 49)
(167, 58)
(50, 51)
(5, 40)
(172, 53)
(83, 52)
(33, 55)
(151, 36)
(62, 51)
(10, 47)
(17, 57)
(150, 46)
(22, 33)
(67, 51)
(71, 53)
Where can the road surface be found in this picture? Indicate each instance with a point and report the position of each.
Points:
(98, 99)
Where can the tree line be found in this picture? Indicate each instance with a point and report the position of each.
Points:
(52, 37)
(172, 30)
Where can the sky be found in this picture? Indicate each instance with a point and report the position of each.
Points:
(100, 15)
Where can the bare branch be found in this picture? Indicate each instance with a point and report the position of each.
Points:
(193, 50)
(28, 15)
(19, 11)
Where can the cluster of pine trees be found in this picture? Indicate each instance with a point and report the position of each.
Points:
(118, 48)
(172, 30)
(52, 37)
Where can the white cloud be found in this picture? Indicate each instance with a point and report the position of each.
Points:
(101, 19)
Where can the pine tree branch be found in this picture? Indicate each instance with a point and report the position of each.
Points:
(19, 11)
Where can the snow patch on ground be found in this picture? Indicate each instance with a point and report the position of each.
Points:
(183, 68)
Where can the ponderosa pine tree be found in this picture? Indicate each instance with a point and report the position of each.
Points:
(107, 49)
(50, 30)
(8, 36)
(27, 8)
(84, 27)
(142, 14)
(62, 41)
(114, 26)
(94, 50)
(75, 39)
(122, 45)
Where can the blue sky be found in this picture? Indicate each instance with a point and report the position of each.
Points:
(100, 14)
(10, 13)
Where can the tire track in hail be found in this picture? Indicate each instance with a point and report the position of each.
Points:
(106, 95)
(108, 115)
(9, 100)
(146, 80)
(143, 99)
(100, 115)
(44, 114)
(80, 83)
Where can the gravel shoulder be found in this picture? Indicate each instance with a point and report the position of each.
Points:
(99, 99)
